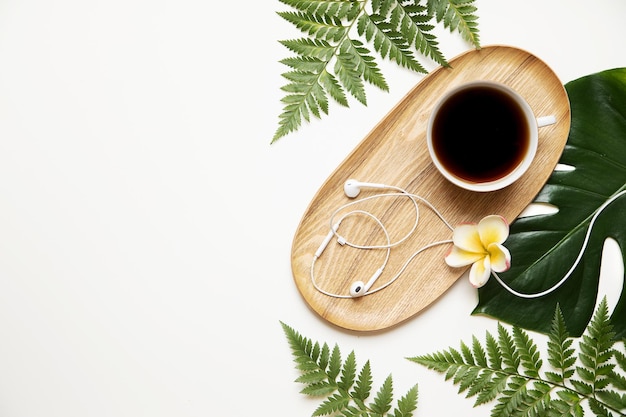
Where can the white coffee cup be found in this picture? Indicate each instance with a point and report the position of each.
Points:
(482, 135)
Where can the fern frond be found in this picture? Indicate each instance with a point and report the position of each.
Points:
(334, 364)
(568, 403)
(388, 42)
(325, 374)
(528, 353)
(618, 379)
(331, 60)
(347, 70)
(384, 396)
(337, 8)
(457, 15)
(366, 64)
(613, 399)
(348, 373)
(560, 353)
(596, 350)
(510, 355)
(407, 404)
(363, 386)
(599, 409)
(508, 370)
(332, 404)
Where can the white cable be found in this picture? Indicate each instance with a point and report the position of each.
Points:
(372, 197)
(384, 264)
(576, 262)
(335, 225)
(414, 198)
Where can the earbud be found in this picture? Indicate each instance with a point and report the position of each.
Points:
(352, 187)
(359, 288)
(327, 240)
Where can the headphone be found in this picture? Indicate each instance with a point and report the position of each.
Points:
(352, 188)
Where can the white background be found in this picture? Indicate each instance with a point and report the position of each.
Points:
(146, 221)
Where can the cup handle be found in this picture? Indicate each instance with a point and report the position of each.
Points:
(545, 121)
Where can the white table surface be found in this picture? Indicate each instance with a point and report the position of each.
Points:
(146, 221)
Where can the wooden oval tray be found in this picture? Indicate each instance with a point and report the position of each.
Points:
(395, 153)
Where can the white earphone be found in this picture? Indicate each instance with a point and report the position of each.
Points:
(358, 288)
(352, 189)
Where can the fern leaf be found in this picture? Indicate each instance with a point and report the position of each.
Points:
(466, 377)
(596, 350)
(367, 66)
(480, 356)
(311, 378)
(330, 61)
(322, 27)
(407, 404)
(599, 409)
(493, 352)
(483, 382)
(490, 391)
(347, 70)
(468, 356)
(299, 348)
(319, 389)
(566, 407)
(612, 399)
(348, 373)
(457, 15)
(334, 364)
(320, 367)
(313, 48)
(560, 353)
(332, 404)
(336, 8)
(508, 371)
(330, 84)
(510, 356)
(384, 396)
(388, 42)
(416, 25)
(528, 353)
(363, 386)
(618, 379)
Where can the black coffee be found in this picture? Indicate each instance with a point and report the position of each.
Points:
(480, 134)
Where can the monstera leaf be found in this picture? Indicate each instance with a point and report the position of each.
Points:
(545, 247)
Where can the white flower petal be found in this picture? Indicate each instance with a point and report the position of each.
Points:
(459, 257)
(480, 272)
(466, 237)
(493, 229)
(500, 257)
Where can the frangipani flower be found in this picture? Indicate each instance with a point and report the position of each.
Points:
(481, 245)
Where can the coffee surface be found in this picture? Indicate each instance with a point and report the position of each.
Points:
(480, 134)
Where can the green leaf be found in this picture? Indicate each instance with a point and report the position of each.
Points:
(529, 355)
(348, 373)
(384, 396)
(320, 367)
(407, 404)
(364, 383)
(459, 15)
(522, 388)
(331, 404)
(544, 247)
(331, 59)
(560, 353)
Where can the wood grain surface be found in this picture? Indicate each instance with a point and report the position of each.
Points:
(395, 153)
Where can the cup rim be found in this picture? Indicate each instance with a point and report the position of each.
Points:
(516, 172)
